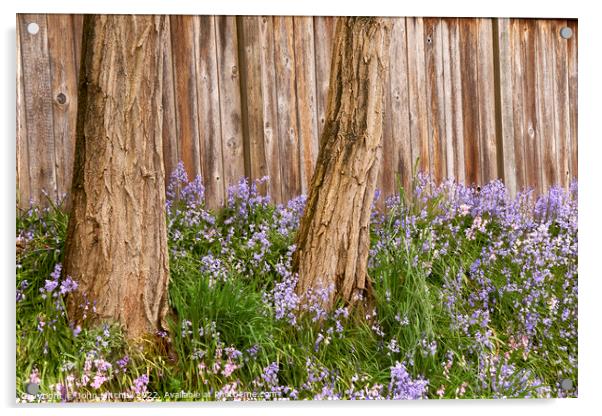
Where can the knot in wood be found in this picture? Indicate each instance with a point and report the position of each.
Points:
(61, 98)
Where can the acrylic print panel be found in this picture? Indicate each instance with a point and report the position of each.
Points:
(303, 208)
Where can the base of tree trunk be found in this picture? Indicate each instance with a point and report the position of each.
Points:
(116, 247)
(333, 241)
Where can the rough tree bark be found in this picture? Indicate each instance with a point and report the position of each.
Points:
(333, 240)
(116, 246)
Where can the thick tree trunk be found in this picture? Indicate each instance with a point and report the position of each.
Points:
(116, 245)
(334, 236)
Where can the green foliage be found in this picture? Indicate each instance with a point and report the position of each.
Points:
(444, 306)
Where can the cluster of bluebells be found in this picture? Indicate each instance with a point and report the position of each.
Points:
(503, 379)
(505, 268)
(519, 278)
(95, 373)
(522, 245)
(94, 377)
(63, 286)
(402, 385)
(35, 231)
(245, 237)
(51, 295)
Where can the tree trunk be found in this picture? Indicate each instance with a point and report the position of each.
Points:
(116, 246)
(333, 240)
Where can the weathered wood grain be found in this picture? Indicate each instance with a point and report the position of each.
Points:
(24, 190)
(545, 106)
(77, 22)
(560, 82)
(397, 153)
(506, 111)
(307, 108)
(63, 92)
(467, 30)
(207, 83)
(486, 101)
(323, 35)
(528, 31)
(229, 98)
(417, 92)
(184, 30)
(385, 176)
(251, 96)
(270, 108)
(467, 109)
(573, 99)
(288, 131)
(436, 97)
(448, 134)
(171, 156)
(521, 133)
(37, 88)
(454, 80)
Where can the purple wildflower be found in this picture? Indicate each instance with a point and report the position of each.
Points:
(68, 285)
(140, 384)
(123, 362)
(50, 285)
(270, 374)
(403, 387)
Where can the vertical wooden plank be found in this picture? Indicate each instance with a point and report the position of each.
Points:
(251, 97)
(544, 99)
(183, 31)
(558, 47)
(170, 132)
(385, 179)
(38, 108)
(486, 100)
(24, 190)
(520, 131)
(448, 137)
(436, 97)
(229, 99)
(528, 33)
(64, 96)
(270, 110)
(506, 69)
(397, 155)
(307, 111)
(207, 83)
(323, 39)
(77, 23)
(442, 114)
(455, 80)
(573, 101)
(288, 133)
(468, 33)
(417, 92)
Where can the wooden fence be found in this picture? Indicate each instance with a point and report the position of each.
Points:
(473, 99)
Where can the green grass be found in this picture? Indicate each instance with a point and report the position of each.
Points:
(209, 314)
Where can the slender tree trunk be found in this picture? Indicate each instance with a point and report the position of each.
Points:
(116, 245)
(334, 236)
